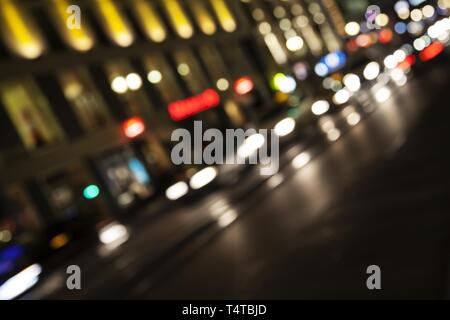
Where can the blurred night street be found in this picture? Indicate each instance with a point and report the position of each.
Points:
(350, 99)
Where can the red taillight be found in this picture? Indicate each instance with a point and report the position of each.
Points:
(432, 51)
(243, 86)
(133, 127)
(408, 62)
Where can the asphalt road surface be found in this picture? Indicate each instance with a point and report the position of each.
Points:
(379, 195)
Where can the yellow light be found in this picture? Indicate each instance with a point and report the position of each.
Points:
(59, 241)
(78, 38)
(22, 38)
(382, 20)
(178, 18)
(150, 21)
(203, 18)
(352, 28)
(224, 15)
(114, 23)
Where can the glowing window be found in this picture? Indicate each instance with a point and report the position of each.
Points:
(30, 114)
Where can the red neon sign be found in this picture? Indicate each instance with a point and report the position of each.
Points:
(183, 109)
(133, 127)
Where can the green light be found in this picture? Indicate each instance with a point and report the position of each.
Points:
(91, 192)
(278, 80)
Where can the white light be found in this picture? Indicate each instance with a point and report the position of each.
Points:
(227, 218)
(114, 234)
(294, 43)
(401, 82)
(251, 145)
(332, 60)
(416, 15)
(415, 27)
(334, 134)
(275, 48)
(400, 55)
(134, 81)
(321, 69)
(383, 95)
(382, 20)
(320, 107)
(203, 178)
(287, 84)
(419, 44)
(119, 85)
(352, 82)
(301, 160)
(285, 127)
(353, 118)
(352, 28)
(428, 11)
(372, 70)
(21, 282)
(397, 74)
(341, 97)
(390, 62)
(154, 76)
(275, 181)
(223, 84)
(177, 191)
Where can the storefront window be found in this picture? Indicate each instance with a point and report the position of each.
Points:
(115, 24)
(190, 71)
(66, 195)
(30, 113)
(161, 76)
(149, 20)
(215, 66)
(19, 30)
(126, 177)
(87, 103)
(79, 37)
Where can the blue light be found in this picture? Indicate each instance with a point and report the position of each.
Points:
(331, 63)
(400, 27)
(139, 171)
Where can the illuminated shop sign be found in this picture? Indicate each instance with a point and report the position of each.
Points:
(183, 109)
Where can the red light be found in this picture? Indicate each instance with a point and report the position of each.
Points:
(133, 127)
(364, 41)
(408, 62)
(385, 36)
(183, 109)
(432, 51)
(243, 86)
